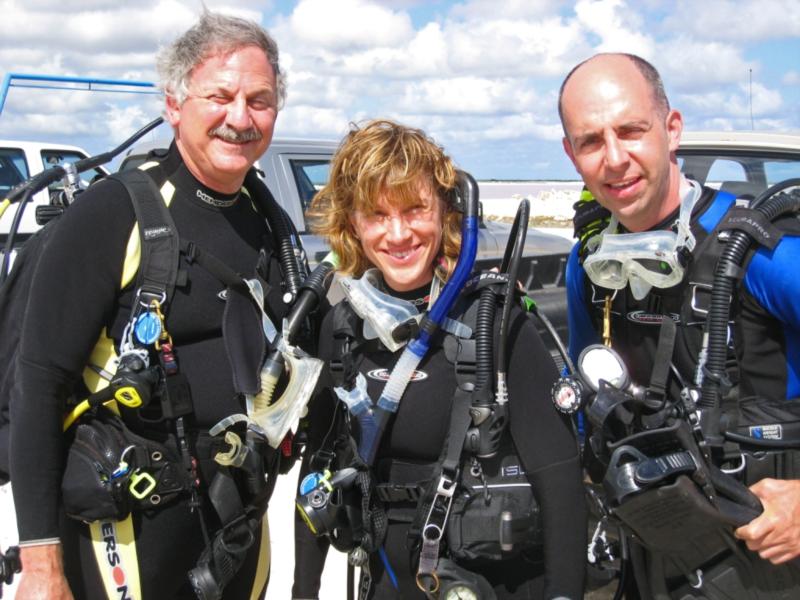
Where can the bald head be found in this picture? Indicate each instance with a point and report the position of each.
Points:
(621, 136)
(619, 61)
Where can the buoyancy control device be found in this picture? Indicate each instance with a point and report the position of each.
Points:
(673, 468)
(110, 469)
(475, 503)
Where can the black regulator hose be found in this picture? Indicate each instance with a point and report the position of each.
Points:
(26, 190)
(771, 205)
(277, 219)
(312, 291)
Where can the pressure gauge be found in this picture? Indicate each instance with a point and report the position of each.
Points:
(460, 591)
(567, 395)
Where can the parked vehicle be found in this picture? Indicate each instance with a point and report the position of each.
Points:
(741, 162)
(20, 160)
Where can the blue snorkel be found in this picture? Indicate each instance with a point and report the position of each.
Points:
(373, 421)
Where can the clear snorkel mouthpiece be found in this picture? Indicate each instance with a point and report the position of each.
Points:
(384, 316)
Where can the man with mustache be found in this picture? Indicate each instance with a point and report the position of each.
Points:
(621, 135)
(223, 88)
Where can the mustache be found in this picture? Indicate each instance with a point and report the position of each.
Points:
(229, 134)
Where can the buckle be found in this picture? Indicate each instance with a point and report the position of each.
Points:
(695, 304)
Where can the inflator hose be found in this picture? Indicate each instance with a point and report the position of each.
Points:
(484, 357)
(728, 266)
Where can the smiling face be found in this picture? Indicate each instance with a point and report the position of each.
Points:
(402, 241)
(621, 142)
(226, 122)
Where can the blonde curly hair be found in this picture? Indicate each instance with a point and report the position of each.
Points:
(384, 157)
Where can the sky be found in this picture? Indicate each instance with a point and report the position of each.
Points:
(480, 76)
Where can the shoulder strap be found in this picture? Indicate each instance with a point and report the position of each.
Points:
(160, 246)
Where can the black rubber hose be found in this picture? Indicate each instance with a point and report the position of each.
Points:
(53, 174)
(312, 291)
(484, 357)
(277, 219)
(511, 260)
(12, 234)
(34, 185)
(562, 350)
(726, 276)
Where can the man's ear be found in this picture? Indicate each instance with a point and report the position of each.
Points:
(568, 149)
(674, 127)
(172, 110)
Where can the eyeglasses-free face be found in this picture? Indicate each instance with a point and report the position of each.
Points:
(226, 122)
(402, 242)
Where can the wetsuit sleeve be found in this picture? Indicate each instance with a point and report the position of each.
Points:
(772, 280)
(72, 297)
(311, 551)
(549, 454)
(581, 330)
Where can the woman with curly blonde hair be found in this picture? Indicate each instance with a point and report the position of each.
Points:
(389, 211)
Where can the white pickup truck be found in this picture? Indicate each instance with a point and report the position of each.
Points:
(20, 160)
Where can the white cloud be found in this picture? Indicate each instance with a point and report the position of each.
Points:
(471, 72)
(791, 78)
(695, 65)
(315, 122)
(349, 24)
(510, 9)
(736, 21)
(514, 47)
(466, 95)
(734, 103)
(617, 24)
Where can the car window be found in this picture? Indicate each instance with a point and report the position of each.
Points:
(739, 172)
(781, 170)
(13, 169)
(726, 170)
(310, 175)
(54, 158)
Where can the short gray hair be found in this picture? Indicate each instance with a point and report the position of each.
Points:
(213, 34)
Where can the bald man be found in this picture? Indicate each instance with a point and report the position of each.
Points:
(621, 135)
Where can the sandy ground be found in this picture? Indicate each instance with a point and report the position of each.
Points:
(500, 200)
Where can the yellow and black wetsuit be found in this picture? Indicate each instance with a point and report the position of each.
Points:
(75, 296)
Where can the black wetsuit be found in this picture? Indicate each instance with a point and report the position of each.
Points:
(75, 295)
(415, 436)
(765, 339)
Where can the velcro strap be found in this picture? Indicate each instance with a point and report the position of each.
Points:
(663, 358)
(397, 492)
(754, 223)
(212, 264)
(607, 400)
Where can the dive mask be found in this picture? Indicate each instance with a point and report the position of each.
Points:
(391, 319)
(645, 259)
